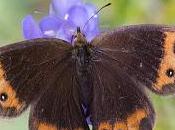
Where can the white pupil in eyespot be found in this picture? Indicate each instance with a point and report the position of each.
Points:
(170, 72)
(3, 97)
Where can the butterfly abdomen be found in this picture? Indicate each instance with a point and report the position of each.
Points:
(82, 57)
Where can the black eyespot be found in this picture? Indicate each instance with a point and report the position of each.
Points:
(3, 97)
(170, 72)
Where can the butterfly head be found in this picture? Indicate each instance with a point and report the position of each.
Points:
(79, 38)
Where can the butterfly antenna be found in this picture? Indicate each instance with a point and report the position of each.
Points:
(95, 14)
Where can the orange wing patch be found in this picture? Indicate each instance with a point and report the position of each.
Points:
(120, 126)
(105, 126)
(132, 122)
(168, 62)
(12, 101)
(45, 126)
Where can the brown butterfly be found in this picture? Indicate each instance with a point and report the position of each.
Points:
(107, 77)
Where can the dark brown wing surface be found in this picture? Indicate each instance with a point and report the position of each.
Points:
(27, 69)
(145, 52)
(118, 103)
(60, 108)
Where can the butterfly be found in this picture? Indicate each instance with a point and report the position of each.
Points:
(104, 79)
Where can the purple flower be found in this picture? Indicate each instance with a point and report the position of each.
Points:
(63, 19)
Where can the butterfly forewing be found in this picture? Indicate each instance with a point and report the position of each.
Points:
(42, 73)
(145, 52)
(27, 69)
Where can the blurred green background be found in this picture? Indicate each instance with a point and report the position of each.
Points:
(122, 12)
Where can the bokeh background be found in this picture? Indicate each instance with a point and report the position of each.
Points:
(122, 12)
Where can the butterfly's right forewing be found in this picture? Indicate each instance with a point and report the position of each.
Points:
(124, 62)
(145, 52)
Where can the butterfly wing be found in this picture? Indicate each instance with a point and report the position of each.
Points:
(118, 103)
(60, 107)
(27, 70)
(145, 52)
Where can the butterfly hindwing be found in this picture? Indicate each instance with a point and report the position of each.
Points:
(145, 52)
(118, 103)
(60, 107)
(26, 70)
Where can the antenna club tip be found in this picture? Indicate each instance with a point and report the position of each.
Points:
(108, 4)
(96, 13)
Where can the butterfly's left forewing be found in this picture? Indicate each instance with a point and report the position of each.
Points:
(26, 70)
(41, 73)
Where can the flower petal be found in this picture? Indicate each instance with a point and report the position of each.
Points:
(60, 7)
(62, 35)
(91, 34)
(30, 28)
(64, 17)
(91, 9)
(51, 11)
(50, 25)
(66, 31)
(77, 15)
